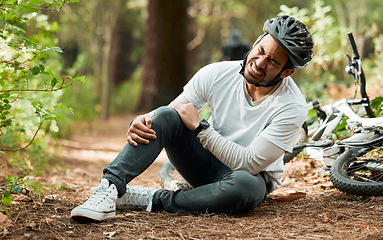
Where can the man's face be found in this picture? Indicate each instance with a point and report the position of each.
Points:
(265, 61)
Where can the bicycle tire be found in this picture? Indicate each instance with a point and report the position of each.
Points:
(359, 172)
(302, 139)
(167, 180)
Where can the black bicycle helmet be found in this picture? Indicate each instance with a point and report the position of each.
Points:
(293, 37)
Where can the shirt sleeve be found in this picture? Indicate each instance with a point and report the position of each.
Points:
(181, 99)
(282, 130)
(252, 159)
(198, 89)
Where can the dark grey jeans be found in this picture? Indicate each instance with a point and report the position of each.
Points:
(216, 189)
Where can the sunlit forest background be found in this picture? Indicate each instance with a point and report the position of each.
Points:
(65, 62)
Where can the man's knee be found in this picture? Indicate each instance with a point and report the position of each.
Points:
(166, 114)
(167, 121)
(245, 188)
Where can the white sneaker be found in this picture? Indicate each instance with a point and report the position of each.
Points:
(136, 198)
(100, 205)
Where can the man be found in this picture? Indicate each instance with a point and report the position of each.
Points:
(234, 160)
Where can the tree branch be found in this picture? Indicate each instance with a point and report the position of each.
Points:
(6, 120)
(47, 8)
(33, 138)
(37, 90)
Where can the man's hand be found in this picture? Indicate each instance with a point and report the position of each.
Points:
(140, 131)
(189, 115)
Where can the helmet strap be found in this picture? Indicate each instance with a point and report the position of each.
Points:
(243, 64)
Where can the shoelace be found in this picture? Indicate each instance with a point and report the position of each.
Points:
(99, 193)
(138, 197)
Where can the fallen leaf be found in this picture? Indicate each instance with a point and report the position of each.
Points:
(21, 198)
(49, 220)
(109, 235)
(325, 219)
(289, 197)
(4, 221)
(31, 225)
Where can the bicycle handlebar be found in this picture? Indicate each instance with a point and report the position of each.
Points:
(356, 63)
(351, 40)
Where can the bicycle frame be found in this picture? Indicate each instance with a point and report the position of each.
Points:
(321, 147)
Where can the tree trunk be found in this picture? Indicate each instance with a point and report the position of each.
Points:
(165, 68)
(110, 18)
(120, 65)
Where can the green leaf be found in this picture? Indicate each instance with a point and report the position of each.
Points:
(13, 76)
(81, 79)
(35, 70)
(53, 82)
(57, 49)
(6, 199)
(63, 188)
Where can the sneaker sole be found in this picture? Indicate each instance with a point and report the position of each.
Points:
(123, 206)
(84, 215)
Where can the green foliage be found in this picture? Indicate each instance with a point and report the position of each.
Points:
(205, 112)
(6, 198)
(30, 87)
(83, 27)
(19, 184)
(340, 131)
(372, 65)
(329, 22)
(126, 97)
(376, 105)
(312, 91)
(26, 73)
(328, 37)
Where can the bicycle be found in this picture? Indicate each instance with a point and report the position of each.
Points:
(349, 162)
(343, 159)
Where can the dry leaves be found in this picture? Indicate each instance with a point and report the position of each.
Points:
(288, 197)
(4, 221)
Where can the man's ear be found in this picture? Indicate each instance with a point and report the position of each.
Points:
(287, 72)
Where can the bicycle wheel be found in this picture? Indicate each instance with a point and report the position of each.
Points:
(302, 139)
(359, 172)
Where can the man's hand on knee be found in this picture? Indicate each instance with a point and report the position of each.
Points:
(140, 130)
(188, 114)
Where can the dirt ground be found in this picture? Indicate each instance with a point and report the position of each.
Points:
(305, 207)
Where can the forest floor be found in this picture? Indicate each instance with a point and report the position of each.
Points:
(306, 206)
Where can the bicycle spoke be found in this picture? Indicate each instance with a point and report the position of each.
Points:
(366, 169)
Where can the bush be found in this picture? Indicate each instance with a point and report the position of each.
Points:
(30, 82)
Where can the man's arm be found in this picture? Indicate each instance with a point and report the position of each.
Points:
(254, 158)
(140, 128)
